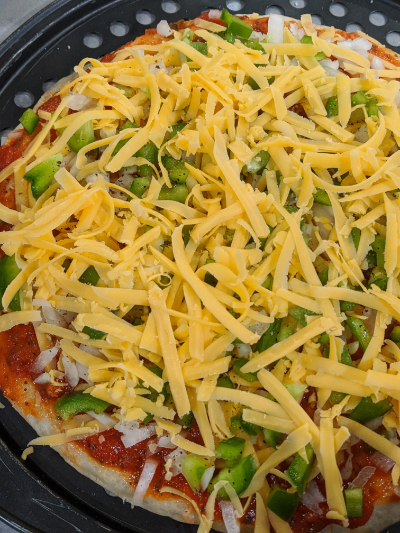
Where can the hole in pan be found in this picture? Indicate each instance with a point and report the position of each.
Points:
(92, 40)
(170, 6)
(24, 99)
(145, 17)
(119, 28)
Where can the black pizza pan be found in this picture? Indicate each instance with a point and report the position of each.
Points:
(43, 494)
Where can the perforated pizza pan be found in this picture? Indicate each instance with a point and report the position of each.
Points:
(44, 494)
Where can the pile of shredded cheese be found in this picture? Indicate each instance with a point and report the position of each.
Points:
(151, 255)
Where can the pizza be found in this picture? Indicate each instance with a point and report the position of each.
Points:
(199, 275)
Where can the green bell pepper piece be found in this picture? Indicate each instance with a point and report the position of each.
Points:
(238, 476)
(359, 98)
(186, 420)
(345, 357)
(178, 193)
(296, 390)
(29, 120)
(145, 171)
(273, 438)
(121, 144)
(367, 410)
(306, 39)
(372, 108)
(209, 278)
(93, 333)
(323, 276)
(200, 47)
(149, 151)
(42, 175)
(254, 44)
(236, 25)
(346, 306)
(378, 246)
(286, 331)
(356, 236)
(395, 334)
(258, 163)
(359, 330)
(238, 423)
(321, 197)
(379, 278)
(337, 397)
(319, 56)
(8, 272)
(82, 137)
(175, 129)
(90, 276)
(226, 382)
(354, 502)
(253, 84)
(226, 16)
(193, 468)
(128, 91)
(139, 186)
(268, 338)
(230, 449)
(282, 503)
(299, 314)
(324, 338)
(269, 280)
(299, 470)
(332, 107)
(128, 124)
(73, 403)
(247, 376)
(177, 171)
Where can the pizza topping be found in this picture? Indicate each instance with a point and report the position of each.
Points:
(354, 502)
(219, 219)
(29, 120)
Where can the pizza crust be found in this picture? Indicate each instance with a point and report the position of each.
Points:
(45, 423)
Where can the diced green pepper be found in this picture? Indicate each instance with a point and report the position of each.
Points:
(248, 376)
(395, 334)
(238, 476)
(258, 163)
(178, 193)
(128, 124)
(324, 338)
(324, 276)
(299, 314)
(359, 98)
(356, 236)
(8, 272)
(90, 276)
(354, 502)
(226, 16)
(209, 278)
(268, 338)
(238, 423)
(359, 330)
(367, 410)
(346, 306)
(82, 137)
(254, 44)
(230, 449)
(145, 171)
(226, 382)
(66, 264)
(177, 171)
(378, 246)
(379, 278)
(345, 357)
(200, 47)
(186, 420)
(295, 389)
(139, 186)
(236, 25)
(93, 333)
(42, 174)
(299, 470)
(321, 197)
(273, 438)
(193, 468)
(372, 108)
(29, 120)
(319, 56)
(73, 403)
(306, 39)
(332, 107)
(269, 280)
(282, 503)
(175, 129)
(286, 331)
(337, 397)
(253, 84)
(128, 91)
(229, 37)
(149, 151)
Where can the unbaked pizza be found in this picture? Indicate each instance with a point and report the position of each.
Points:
(200, 274)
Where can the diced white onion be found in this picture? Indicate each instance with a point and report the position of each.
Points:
(44, 358)
(348, 468)
(149, 469)
(244, 350)
(51, 316)
(71, 372)
(359, 45)
(177, 457)
(275, 28)
(91, 350)
(377, 63)
(229, 517)
(257, 35)
(81, 102)
(259, 327)
(363, 476)
(312, 497)
(43, 378)
(132, 433)
(83, 373)
(103, 418)
(154, 68)
(15, 134)
(214, 14)
(163, 28)
(328, 63)
(374, 424)
(296, 31)
(207, 477)
(165, 442)
(382, 461)
(41, 303)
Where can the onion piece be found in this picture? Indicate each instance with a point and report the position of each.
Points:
(177, 457)
(165, 442)
(43, 378)
(81, 102)
(312, 497)
(244, 350)
(377, 63)
(348, 468)
(229, 517)
(103, 418)
(163, 28)
(132, 433)
(71, 372)
(149, 469)
(363, 477)
(43, 359)
(382, 461)
(275, 28)
(207, 477)
(214, 14)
